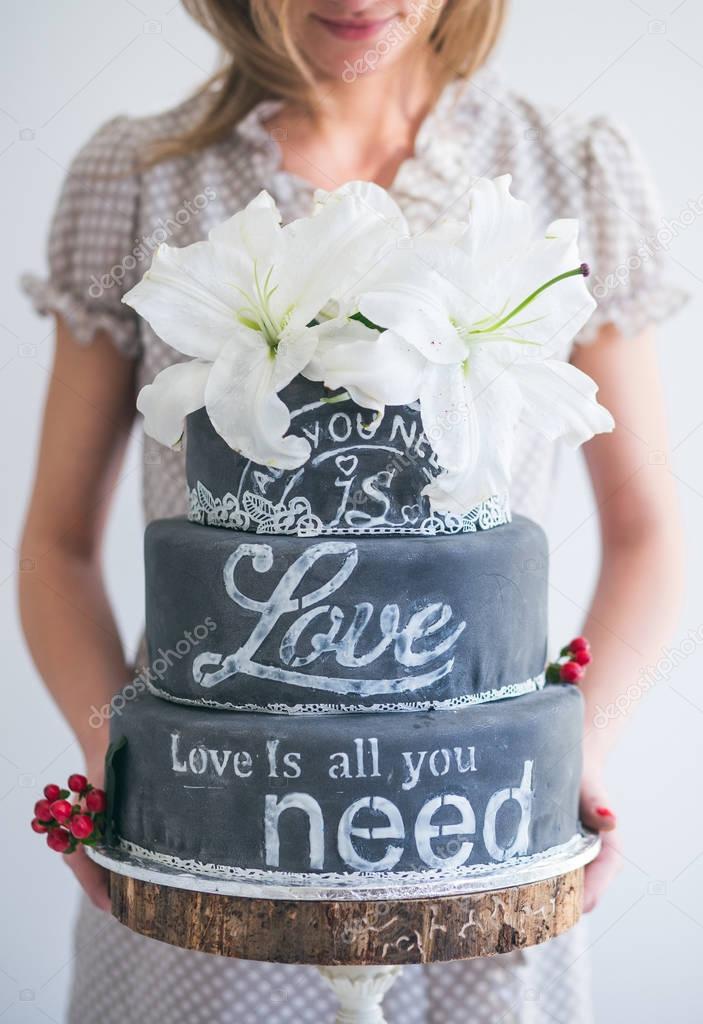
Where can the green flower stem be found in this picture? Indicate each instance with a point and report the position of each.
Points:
(360, 318)
(552, 672)
(344, 397)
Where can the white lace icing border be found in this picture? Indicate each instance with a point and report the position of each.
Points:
(255, 514)
(450, 704)
(136, 861)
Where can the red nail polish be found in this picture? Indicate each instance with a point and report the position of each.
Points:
(604, 812)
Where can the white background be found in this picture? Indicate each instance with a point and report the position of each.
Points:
(68, 66)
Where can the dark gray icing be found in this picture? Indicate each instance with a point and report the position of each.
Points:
(364, 475)
(293, 624)
(495, 782)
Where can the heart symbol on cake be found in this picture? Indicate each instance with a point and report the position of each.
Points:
(346, 464)
(411, 513)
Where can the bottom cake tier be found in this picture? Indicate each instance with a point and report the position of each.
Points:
(399, 800)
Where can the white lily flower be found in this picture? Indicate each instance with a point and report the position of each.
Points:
(371, 196)
(240, 304)
(375, 368)
(488, 306)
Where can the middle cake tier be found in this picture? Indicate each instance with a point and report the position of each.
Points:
(297, 625)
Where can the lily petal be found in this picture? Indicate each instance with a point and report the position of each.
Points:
(560, 402)
(174, 393)
(449, 416)
(187, 299)
(376, 369)
(329, 256)
(558, 313)
(373, 198)
(255, 230)
(406, 295)
(499, 228)
(496, 403)
(243, 404)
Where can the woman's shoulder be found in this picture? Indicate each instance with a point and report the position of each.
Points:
(97, 246)
(519, 128)
(118, 145)
(564, 164)
(585, 167)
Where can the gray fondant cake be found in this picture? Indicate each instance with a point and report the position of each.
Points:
(297, 801)
(365, 475)
(350, 409)
(330, 589)
(302, 624)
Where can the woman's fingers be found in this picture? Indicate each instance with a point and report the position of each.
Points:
(598, 817)
(91, 877)
(596, 814)
(601, 871)
(595, 810)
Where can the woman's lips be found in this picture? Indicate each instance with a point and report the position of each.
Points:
(352, 29)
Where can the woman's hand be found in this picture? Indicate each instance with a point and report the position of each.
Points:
(629, 619)
(91, 877)
(64, 602)
(596, 815)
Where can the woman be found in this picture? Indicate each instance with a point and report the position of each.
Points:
(315, 93)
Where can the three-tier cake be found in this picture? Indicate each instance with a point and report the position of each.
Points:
(350, 629)
(354, 696)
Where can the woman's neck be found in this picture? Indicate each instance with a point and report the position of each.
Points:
(364, 128)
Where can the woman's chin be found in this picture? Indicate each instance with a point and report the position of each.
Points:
(345, 63)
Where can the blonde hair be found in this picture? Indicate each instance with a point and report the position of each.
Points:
(261, 60)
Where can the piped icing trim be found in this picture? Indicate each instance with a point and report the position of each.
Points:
(131, 859)
(451, 704)
(255, 514)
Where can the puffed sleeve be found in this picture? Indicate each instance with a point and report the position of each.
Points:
(624, 236)
(93, 251)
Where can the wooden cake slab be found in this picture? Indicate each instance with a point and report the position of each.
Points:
(323, 932)
(359, 946)
(503, 910)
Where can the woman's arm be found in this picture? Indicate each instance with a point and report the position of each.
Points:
(637, 597)
(66, 614)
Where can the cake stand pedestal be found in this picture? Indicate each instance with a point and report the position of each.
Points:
(360, 991)
(359, 945)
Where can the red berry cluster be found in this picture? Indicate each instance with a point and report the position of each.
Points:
(68, 824)
(571, 666)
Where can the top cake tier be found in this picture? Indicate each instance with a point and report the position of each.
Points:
(365, 475)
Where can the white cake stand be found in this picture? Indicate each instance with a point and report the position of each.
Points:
(360, 940)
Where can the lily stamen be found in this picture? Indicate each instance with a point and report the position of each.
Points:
(257, 314)
(581, 271)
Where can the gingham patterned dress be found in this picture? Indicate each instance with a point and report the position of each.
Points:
(110, 218)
